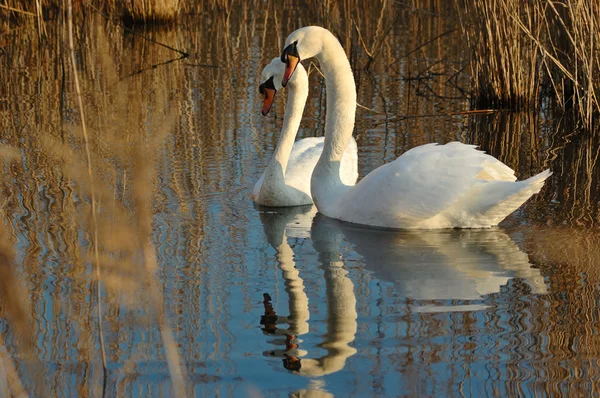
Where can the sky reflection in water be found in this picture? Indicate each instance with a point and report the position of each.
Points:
(348, 311)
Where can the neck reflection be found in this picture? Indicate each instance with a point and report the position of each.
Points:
(341, 301)
(278, 224)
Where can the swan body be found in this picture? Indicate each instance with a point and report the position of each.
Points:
(428, 187)
(286, 180)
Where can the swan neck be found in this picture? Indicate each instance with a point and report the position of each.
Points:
(326, 184)
(341, 98)
(291, 122)
(294, 287)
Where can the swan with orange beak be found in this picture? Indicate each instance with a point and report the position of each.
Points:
(286, 180)
(428, 187)
(291, 59)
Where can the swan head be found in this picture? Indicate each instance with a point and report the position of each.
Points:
(271, 78)
(301, 44)
(268, 90)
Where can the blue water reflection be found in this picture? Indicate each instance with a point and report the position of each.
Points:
(371, 282)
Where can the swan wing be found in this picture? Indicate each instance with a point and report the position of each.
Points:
(301, 164)
(419, 184)
(304, 157)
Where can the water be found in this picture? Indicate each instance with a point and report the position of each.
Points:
(275, 302)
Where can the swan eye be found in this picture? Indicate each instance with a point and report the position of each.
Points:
(267, 84)
(292, 50)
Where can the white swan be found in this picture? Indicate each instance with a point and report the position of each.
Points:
(428, 187)
(286, 180)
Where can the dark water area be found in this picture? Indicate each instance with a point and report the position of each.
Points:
(277, 302)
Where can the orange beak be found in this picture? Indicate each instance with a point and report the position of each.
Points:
(268, 100)
(290, 67)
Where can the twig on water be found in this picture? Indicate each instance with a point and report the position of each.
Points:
(152, 67)
(93, 192)
(362, 42)
(368, 109)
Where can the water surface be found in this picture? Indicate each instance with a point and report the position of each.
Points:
(274, 302)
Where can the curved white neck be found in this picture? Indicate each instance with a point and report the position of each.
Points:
(296, 100)
(339, 122)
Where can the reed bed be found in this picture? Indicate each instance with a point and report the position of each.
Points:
(100, 166)
(523, 51)
(144, 11)
(529, 142)
(407, 65)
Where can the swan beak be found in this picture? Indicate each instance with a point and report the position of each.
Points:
(290, 67)
(291, 58)
(268, 91)
(268, 100)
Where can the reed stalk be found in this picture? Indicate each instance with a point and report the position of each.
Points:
(93, 193)
(523, 51)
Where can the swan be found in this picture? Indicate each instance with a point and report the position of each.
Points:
(428, 187)
(286, 180)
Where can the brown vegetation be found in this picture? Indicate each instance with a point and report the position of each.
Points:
(143, 11)
(526, 50)
(407, 65)
(100, 168)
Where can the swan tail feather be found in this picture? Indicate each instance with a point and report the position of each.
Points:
(514, 195)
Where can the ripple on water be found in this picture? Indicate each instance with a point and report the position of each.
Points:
(348, 311)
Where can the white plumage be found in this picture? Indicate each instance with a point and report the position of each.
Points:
(428, 187)
(286, 180)
(437, 186)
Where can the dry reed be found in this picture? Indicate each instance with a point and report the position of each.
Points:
(524, 50)
(107, 197)
(126, 273)
(154, 11)
(90, 173)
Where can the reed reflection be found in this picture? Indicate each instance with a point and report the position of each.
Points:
(438, 265)
(526, 141)
(341, 301)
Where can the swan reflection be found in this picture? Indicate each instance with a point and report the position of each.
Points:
(341, 301)
(278, 224)
(429, 268)
(438, 265)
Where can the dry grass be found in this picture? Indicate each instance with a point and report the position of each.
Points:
(529, 143)
(524, 50)
(155, 11)
(103, 176)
